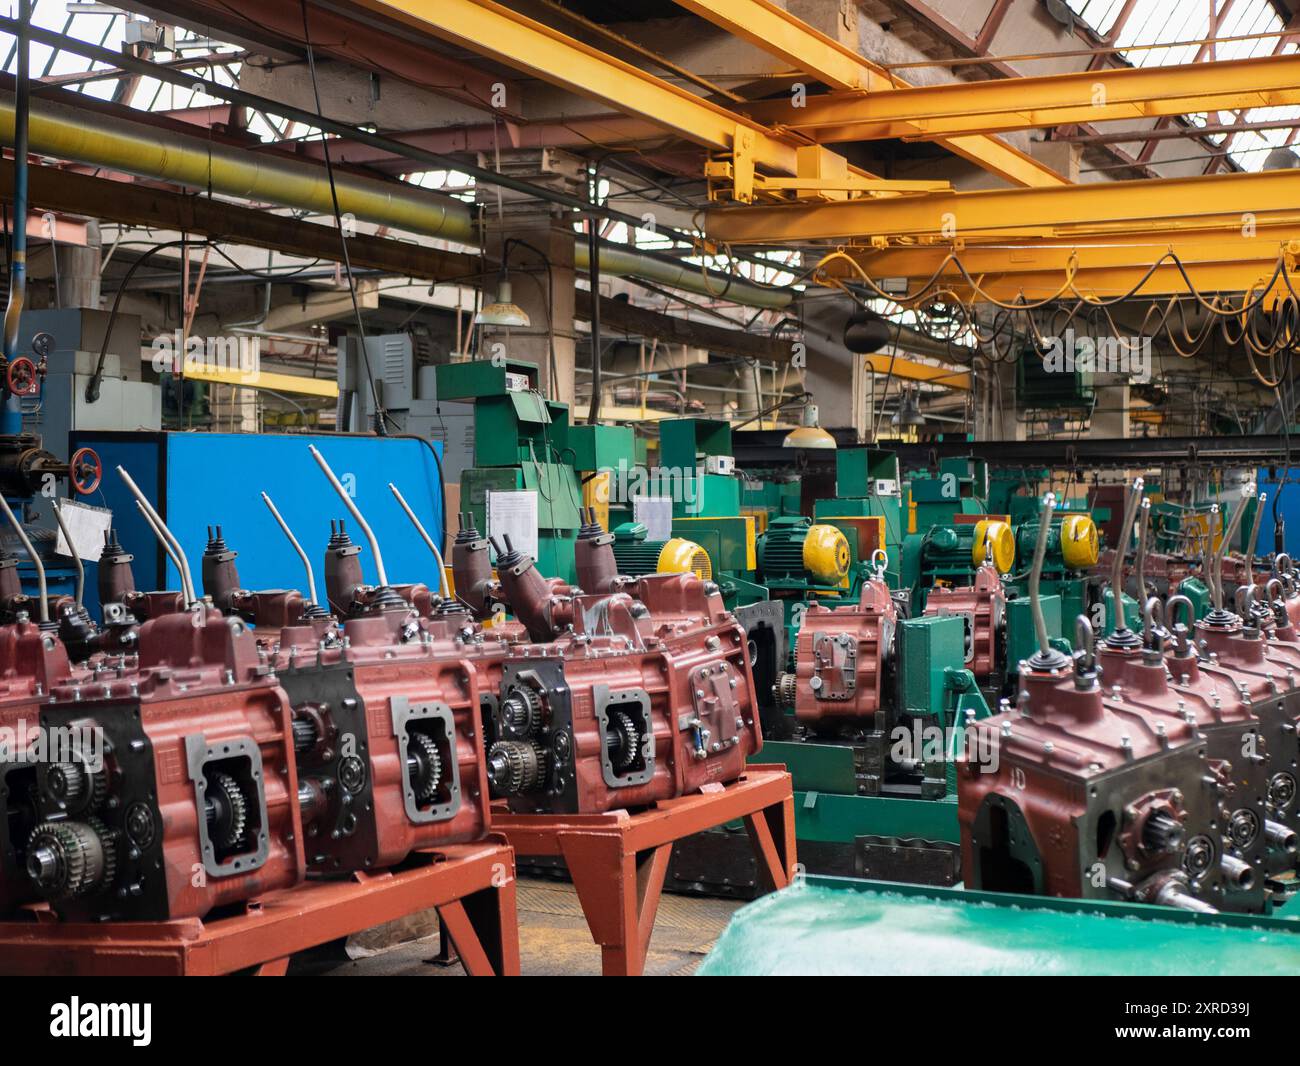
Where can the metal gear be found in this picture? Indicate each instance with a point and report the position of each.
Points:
(426, 773)
(516, 766)
(521, 712)
(227, 811)
(75, 787)
(70, 859)
(785, 690)
(623, 740)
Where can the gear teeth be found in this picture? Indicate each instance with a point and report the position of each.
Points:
(234, 798)
(525, 763)
(84, 853)
(624, 751)
(431, 765)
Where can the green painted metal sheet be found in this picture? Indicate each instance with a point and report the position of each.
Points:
(838, 926)
(834, 818)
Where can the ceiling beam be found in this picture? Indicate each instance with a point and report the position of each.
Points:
(1007, 104)
(1169, 204)
(779, 33)
(505, 36)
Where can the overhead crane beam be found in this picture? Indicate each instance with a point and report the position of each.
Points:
(507, 37)
(911, 370)
(781, 34)
(1167, 205)
(1006, 104)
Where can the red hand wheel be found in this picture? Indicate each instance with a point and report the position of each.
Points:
(22, 377)
(85, 471)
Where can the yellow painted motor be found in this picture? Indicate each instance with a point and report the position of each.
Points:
(1080, 544)
(1000, 538)
(682, 556)
(826, 554)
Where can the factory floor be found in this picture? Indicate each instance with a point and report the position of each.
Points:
(553, 939)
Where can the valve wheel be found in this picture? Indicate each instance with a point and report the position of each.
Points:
(22, 377)
(85, 471)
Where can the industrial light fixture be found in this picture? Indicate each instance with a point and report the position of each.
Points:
(503, 311)
(909, 411)
(810, 434)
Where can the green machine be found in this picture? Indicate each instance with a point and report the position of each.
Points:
(520, 440)
(894, 777)
(770, 499)
(959, 486)
(867, 486)
(695, 458)
(950, 553)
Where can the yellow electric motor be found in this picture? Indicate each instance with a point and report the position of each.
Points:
(682, 556)
(1080, 545)
(826, 554)
(999, 536)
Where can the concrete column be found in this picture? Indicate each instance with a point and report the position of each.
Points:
(834, 375)
(541, 281)
(1110, 417)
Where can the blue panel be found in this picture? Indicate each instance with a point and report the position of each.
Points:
(139, 453)
(213, 478)
(1288, 508)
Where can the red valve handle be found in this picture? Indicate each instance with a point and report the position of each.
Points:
(85, 471)
(21, 377)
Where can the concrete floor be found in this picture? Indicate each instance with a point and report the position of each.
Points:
(554, 940)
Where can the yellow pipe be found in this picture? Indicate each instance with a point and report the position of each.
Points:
(136, 148)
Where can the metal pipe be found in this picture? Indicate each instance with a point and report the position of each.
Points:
(18, 135)
(164, 534)
(424, 534)
(1036, 573)
(1121, 549)
(620, 262)
(1140, 563)
(163, 541)
(1249, 551)
(76, 555)
(306, 562)
(44, 599)
(1234, 524)
(356, 514)
(138, 148)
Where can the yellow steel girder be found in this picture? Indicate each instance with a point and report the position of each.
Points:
(1005, 104)
(1167, 204)
(781, 34)
(914, 371)
(264, 379)
(503, 35)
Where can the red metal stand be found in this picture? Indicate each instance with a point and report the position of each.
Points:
(471, 885)
(618, 860)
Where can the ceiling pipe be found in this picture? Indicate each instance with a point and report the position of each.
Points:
(138, 148)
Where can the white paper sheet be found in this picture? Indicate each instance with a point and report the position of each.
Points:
(514, 514)
(87, 526)
(656, 514)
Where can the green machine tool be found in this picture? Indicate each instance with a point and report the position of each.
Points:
(696, 467)
(867, 486)
(959, 486)
(950, 553)
(520, 440)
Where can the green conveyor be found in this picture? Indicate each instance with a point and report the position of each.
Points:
(838, 926)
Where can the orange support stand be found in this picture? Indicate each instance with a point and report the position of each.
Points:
(618, 860)
(471, 885)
